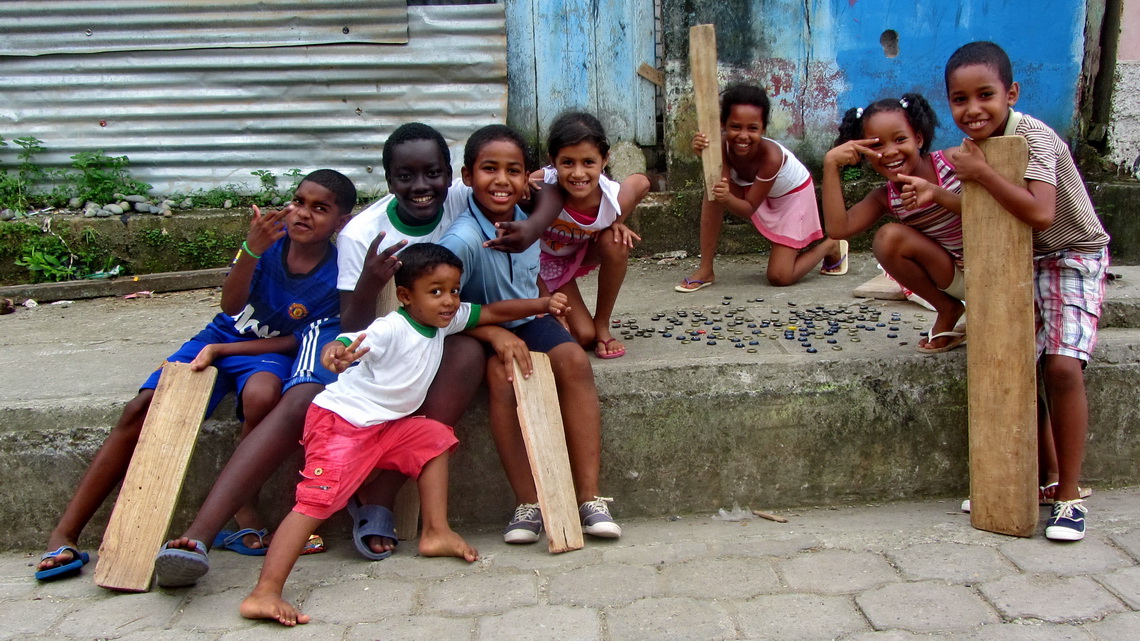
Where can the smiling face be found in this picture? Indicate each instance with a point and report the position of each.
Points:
(979, 101)
(497, 179)
(434, 297)
(579, 169)
(418, 177)
(743, 130)
(313, 217)
(899, 145)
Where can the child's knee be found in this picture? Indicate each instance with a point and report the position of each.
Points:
(498, 387)
(779, 278)
(260, 394)
(1063, 373)
(888, 239)
(134, 414)
(610, 249)
(570, 364)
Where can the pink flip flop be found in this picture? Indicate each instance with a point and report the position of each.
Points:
(608, 355)
(685, 289)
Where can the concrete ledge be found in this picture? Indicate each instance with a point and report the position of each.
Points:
(686, 428)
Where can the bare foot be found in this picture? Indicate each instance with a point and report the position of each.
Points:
(833, 255)
(446, 543)
(697, 280)
(63, 558)
(273, 607)
(946, 322)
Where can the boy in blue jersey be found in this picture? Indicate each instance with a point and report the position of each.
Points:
(282, 279)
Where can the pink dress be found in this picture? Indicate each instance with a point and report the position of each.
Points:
(565, 242)
(789, 215)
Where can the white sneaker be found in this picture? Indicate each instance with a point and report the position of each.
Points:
(525, 525)
(596, 519)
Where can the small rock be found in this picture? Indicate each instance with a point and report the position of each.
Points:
(228, 204)
(91, 204)
(7, 215)
(112, 209)
(167, 203)
(90, 213)
(135, 199)
(187, 204)
(167, 213)
(117, 196)
(106, 213)
(142, 208)
(126, 205)
(75, 203)
(31, 303)
(276, 200)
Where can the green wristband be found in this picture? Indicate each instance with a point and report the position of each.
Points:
(344, 341)
(245, 248)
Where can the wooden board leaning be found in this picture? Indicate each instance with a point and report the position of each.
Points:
(1000, 358)
(154, 479)
(541, 419)
(706, 95)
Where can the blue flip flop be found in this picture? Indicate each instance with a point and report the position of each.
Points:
(230, 540)
(177, 568)
(371, 520)
(78, 560)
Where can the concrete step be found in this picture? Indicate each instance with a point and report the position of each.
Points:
(686, 427)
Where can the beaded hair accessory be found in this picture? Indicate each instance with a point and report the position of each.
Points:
(858, 113)
(904, 103)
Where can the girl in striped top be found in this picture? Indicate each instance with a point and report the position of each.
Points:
(923, 251)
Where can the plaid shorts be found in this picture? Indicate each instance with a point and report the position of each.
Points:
(1068, 289)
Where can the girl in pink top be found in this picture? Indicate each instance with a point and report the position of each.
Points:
(589, 232)
(923, 252)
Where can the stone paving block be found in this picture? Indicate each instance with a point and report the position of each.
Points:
(361, 601)
(761, 546)
(119, 614)
(887, 635)
(19, 619)
(219, 611)
(836, 571)
(800, 617)
(16, 572)
(1027, 631)
(415, 628)
(670, 619)
(603, 585)
(420, 567)
(1129, 541)
(1052, 599)
(481, 593)
(721, 578)
(925, 607)
(655, 554)
(542, 623)
(1125, 584)
(1118, 627)
(952, 562)
(271, 631)
(80, 587)
(529, 558)
(1090, 556)
(170, 635)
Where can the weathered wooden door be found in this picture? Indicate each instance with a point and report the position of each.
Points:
(581, 54)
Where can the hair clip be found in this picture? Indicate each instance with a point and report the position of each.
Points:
(904, 103)
(858, 113)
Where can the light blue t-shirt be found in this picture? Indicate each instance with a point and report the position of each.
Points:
(488, 275)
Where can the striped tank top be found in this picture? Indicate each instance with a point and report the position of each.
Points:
(940, 224)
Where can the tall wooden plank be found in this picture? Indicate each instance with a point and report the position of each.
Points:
(154, 478)
(541, 421)
(702, 65)
(624, 30)
(1000, 361)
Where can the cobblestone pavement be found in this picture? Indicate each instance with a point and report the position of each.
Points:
(893, 572)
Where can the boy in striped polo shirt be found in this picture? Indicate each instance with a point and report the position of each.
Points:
(1070, 257)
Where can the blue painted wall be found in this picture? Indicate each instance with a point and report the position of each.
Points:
(818, 58)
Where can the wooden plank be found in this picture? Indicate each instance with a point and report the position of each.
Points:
(702, 65)
(1000, 359)
(565, 66)
(652, 74)
(154, 478)
(406, 506)
(541, 421)
(522, 97)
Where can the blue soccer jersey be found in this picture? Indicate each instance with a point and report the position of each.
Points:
(280, 303)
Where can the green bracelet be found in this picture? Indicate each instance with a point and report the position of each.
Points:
(245, 248)
(343, 340)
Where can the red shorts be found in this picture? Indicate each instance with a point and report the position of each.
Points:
(339, 456)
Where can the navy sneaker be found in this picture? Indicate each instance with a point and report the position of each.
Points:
(596, 519)
(1067, 522)
(525, 525)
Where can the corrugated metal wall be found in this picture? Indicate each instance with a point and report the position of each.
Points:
(202, 118)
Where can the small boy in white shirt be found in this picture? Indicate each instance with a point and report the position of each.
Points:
(360, 423)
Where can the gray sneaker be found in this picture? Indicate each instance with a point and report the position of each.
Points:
(525, 525)
(596, 519)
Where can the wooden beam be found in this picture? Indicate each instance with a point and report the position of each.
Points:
(652, 74)
(1000, 358)
(541, 421)
(154, 479)
(706, 95)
